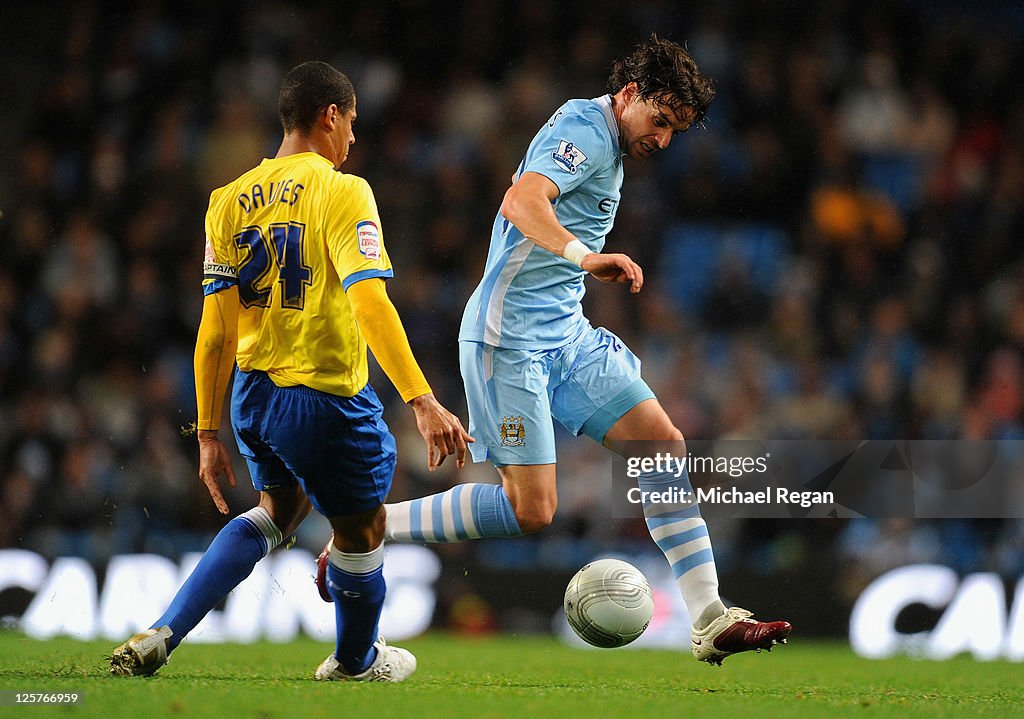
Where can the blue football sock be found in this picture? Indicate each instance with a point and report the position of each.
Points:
(466, 511)
(682, 536)
(242, 542)
(356, 582)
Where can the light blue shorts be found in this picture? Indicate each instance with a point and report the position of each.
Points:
(513, 394)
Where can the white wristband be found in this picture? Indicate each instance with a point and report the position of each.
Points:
(575, 251)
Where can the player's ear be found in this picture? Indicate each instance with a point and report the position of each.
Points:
(630, 91)
(330, 117)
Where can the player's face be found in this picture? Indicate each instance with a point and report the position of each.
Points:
(648, 126)
(344, 134)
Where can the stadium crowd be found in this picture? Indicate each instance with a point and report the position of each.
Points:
(831, 256)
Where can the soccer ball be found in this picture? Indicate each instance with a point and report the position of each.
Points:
(609, 603)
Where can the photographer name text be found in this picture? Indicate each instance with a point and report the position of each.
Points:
(731, 495)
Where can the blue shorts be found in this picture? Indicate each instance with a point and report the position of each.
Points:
(513, 394)
(338, 448)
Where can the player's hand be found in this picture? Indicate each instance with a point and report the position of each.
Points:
(441, 430)
(213, 462)
(614, 267)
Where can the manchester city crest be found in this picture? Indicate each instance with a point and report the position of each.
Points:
(513, 433)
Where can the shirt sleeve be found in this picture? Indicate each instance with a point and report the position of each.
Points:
(567, 150)
(380, 325)
(354, 238)
(220, 261)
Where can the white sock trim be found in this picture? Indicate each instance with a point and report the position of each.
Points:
(355, 563)
(261, 518)
(426, 523)
(448, 517)
(396, 525)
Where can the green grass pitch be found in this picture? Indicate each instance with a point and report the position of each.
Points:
(511, 677)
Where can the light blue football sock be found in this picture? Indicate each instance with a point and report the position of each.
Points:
(682, 536)
(466, 511)
(241, 543)
(356, 582)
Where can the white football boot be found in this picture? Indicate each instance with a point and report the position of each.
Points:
(141, 655)
(393, 664)
(733, 632)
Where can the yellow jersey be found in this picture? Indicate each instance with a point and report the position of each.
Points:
(293, 234)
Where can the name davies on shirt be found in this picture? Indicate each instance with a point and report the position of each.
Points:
(286, 191)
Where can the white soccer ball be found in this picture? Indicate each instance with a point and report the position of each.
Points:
(609, 603)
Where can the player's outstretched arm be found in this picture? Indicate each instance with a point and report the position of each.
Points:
(527, 205)
(214, 360)
(381, 326)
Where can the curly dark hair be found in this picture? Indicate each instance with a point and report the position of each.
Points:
(665, 73)
(307, 89)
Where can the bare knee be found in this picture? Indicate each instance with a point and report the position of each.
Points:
(359, 533)
(531, 492)
(644, 429)
(676, 437)
(534, 516)
(287, 507)
(666, 437)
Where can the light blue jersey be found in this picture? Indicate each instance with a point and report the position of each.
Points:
(530, 298)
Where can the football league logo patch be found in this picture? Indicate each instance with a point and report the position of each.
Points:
(369, 239)
(568, 156)
(513, 433)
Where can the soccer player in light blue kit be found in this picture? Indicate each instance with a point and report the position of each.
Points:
(528, 354)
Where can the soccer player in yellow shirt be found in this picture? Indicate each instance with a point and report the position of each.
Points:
(293, 280)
